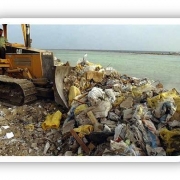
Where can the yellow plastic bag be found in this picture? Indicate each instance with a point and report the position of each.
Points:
(172, 93)
(52, 121)
(83, 83)
(137, 91)
(118, 101)
(95, 75)
(139, 111)
(80, 108)
(73, 92)
(171, 139)
(84, 130)
(154, 101)
(177, 103)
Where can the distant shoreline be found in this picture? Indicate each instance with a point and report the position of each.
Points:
(126, 51)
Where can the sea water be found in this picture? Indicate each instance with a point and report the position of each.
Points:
(165, 68)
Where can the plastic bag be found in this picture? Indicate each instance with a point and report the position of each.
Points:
(73, 92)
(171, 139)
(165, 110)
(177, 103)
(172, 94)
(120, 131)
(102, 109)
(119, 147)
(153, 102)
(80, 108)
(111, 95)
(84, 130)
(137, 91)
(118, 101)
(52, 121)
(95, 75)
(139, 112)
(95, 94)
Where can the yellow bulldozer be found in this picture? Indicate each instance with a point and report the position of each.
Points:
(27, 73)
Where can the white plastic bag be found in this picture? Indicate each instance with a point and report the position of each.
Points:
(118, 130)
(95, 94)
(111, 95)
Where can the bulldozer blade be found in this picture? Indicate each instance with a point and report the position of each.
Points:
(60, 73)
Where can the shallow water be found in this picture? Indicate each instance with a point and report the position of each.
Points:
(165, 68)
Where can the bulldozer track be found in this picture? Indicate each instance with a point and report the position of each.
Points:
(16, 91)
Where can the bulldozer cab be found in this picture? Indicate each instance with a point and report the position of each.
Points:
(23, 61)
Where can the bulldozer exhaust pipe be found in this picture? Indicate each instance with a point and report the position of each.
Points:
(28, 42)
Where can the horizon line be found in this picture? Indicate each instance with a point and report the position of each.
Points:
(116, 50)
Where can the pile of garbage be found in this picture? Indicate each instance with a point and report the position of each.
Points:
(107, 114)
(114, 114)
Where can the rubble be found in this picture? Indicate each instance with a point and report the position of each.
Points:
(108, 114)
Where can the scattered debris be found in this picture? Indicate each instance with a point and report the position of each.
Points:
(46, 147)
(9, 135)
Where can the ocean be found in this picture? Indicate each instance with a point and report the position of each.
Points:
(165, 68)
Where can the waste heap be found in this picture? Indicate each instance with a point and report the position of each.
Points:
(107, 114)
(114, 114)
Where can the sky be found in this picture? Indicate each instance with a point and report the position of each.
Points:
(101, 37)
